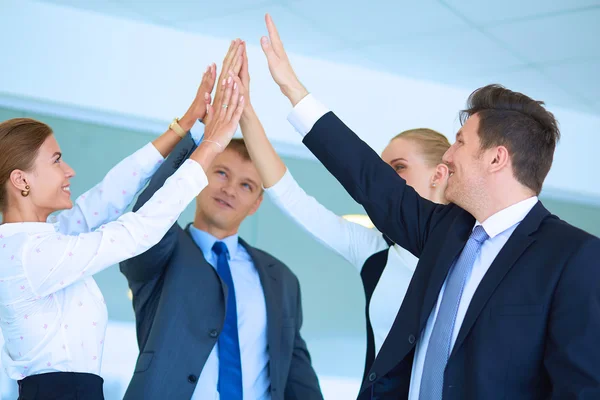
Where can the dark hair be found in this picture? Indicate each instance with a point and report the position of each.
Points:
(20, 141)
(239, 146)
(522, 125)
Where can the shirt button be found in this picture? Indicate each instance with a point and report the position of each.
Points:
(372, 376)
(213, 333)
(192, 378)
(411, 339)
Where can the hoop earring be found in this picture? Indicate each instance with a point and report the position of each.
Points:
(25, 192)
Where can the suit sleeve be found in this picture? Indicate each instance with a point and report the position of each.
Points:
(393, 206)
(302, 383)
(572, 355)
(150, 264)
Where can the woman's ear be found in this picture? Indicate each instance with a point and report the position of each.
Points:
(18, 179)
(440, 175)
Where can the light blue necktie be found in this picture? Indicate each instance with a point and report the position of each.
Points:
(230, 362)
(438, 350)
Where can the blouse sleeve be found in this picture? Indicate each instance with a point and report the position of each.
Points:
(108, 200)
(352, 241)
(52, 261)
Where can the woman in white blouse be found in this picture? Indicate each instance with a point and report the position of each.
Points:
(52, 314)
(385, 268)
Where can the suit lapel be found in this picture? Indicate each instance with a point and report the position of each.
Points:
(198, 271)
(204, 266)
(518, 242)
(390, 354)
(273, 296)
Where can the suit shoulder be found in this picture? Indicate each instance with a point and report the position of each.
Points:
(276, 263)
(560, 228)
(568, 236)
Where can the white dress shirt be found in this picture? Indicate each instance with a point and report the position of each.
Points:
(252, 323)
(52, 314)
(499, 227)
(356, 244)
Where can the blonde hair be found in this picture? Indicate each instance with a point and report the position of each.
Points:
(432, 143)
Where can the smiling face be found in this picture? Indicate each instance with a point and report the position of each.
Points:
(234, 192)
(48, 182)
(467, 166)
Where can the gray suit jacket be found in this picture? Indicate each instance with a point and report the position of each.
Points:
(179, 304)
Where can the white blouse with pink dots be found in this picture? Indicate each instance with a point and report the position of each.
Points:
(52, 314)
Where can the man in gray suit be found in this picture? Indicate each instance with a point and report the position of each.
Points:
(215, 317)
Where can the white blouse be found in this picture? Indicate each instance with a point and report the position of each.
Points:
(52, 314)
(356, 244)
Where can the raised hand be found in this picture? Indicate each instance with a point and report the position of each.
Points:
(245, 81)
(197, 110)
(232, 63)
(279, 65)
(224, 115)
(222, 123)
(166, 142)
(244, 78)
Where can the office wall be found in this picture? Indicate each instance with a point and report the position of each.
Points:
(332, 294)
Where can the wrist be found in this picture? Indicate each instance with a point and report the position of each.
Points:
(294, 92)
(248, 112)
(187, 122)
(205, 154)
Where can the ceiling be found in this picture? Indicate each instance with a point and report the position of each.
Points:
(545, 48)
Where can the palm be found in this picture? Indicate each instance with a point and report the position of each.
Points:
(245, 77)
(231, 63)
(205, 87)
(224, 118)
(279, 70)
(279, 64)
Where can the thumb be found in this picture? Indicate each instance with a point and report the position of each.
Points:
(209, 112)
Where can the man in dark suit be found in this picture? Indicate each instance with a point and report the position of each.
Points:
(505, 300)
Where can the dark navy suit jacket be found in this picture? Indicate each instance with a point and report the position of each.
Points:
(532, 329)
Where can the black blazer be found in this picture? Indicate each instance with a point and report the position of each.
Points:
(179, 304)
(532, 328)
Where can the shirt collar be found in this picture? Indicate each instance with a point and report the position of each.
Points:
(510, 216)
(205, 242)
(13, 228)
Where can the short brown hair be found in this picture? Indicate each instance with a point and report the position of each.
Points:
(20, 141)
(522, 125)
(239, 146)
(432, 143)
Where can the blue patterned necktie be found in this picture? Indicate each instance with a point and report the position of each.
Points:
(230, 363)
(438, 350)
